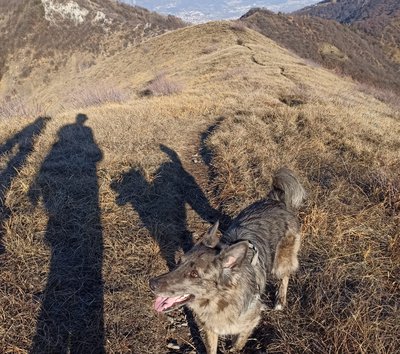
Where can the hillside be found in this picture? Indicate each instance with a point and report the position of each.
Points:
(45, 34)
(350, 11)
(347, 51)
(148, 146)
(378, 18)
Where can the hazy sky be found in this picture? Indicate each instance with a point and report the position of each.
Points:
(203, 10)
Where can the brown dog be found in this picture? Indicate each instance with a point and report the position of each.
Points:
(222, 280)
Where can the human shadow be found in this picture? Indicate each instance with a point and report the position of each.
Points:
(161, 205)
(23, 142)
(71, 315)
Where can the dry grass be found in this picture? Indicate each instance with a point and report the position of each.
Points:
(345, 297)
(96, 95)
(95, 208)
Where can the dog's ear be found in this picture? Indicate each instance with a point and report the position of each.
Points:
(211, 238)
(234, 255)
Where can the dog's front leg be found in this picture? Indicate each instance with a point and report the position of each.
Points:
(241, 340)
(212, 342)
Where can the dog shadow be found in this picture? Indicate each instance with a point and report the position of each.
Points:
(161, 206)
(71, 315)
(23, 142)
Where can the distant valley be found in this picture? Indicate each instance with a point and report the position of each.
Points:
(202, 11)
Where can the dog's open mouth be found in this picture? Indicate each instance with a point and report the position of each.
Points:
(165, 304)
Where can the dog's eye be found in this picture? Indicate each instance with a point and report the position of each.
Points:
(194, 274)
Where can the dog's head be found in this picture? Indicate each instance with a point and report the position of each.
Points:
(206, 269)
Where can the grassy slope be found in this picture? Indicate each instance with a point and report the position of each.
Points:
(230, 128)
(335, 46)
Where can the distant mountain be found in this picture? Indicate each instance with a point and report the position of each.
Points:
(351, 11)
(342, 48)
(208, 10)
(34, 29)
(379, 18)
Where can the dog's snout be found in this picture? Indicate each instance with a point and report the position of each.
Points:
(153, 283)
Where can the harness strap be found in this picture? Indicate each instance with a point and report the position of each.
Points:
(254, 260)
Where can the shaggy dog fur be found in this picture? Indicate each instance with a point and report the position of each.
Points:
(222, 279)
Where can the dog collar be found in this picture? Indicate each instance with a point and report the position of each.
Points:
(254, 260)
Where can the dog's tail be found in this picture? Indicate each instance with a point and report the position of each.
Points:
(286, 188)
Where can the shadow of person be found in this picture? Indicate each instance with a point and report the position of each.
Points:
(71, 316)
(23, 142)
(161, 205)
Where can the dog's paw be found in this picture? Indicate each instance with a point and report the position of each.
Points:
(278, 307)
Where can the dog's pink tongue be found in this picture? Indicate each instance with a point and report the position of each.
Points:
(163, 303)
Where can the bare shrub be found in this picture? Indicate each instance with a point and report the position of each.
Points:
(96, 96)
(210, 49)
(236, 72)
(295, 97)
(238, 26)
(25, 72)
(85, 64)
(21, 108)
(161, 86)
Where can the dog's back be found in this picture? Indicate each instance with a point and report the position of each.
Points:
(271, 225)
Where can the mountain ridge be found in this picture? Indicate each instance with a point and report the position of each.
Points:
(347, 50)
(37, 29)
(378, 18)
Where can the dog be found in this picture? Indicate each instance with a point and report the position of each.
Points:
(221, 279)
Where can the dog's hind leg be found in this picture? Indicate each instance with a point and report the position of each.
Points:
(212, 342)
(282, 291)
(285, 263)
